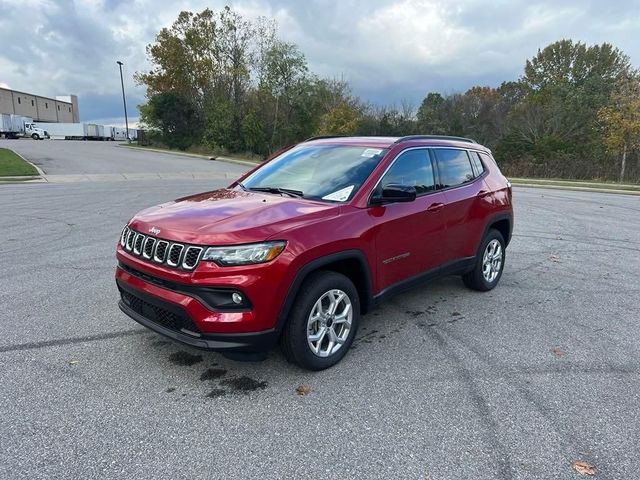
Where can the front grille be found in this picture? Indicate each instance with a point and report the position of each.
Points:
(172, 254)
(159, 315)
(161, 251)
(123, 236)
(148, 247)
(175, 252)
(137, 244)
(130, 236)
(191, 257)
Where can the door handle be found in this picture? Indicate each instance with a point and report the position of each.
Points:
(483, 193)
(434, 207)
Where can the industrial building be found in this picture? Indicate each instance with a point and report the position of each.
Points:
(62, 109)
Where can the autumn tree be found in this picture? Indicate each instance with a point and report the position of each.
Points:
(620, 121)
(174, 117)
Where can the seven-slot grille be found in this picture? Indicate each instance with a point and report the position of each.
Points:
(173, 254)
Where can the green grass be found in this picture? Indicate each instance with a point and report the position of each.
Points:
(590, 184)
(11, 165)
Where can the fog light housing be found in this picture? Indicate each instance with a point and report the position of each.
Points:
(237, 298)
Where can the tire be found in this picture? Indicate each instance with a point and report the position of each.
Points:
(487, 271)
(35, 136)
(313, 301)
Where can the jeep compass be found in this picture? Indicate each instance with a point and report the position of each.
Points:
(300, 247)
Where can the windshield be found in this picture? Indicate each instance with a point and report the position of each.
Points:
(321, 172)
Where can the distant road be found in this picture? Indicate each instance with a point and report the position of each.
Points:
(68, 157)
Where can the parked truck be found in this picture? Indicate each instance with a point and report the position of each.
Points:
(16, 126)
(34, 131)
(70, 131)
(11, 126)
(77, 131)
(109, 133)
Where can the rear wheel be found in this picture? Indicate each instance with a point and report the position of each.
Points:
(489, 263)
(323, 321)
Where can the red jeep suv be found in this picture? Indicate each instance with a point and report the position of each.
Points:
(300, 247)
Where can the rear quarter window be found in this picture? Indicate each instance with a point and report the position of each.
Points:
(477, 164)
(454, 167)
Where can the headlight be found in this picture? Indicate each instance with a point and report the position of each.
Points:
(244, 254)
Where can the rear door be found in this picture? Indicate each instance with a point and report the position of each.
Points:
(409, 235)
(467, 200)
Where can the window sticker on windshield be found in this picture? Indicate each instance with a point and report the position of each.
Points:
(340, 195)
(371, 152)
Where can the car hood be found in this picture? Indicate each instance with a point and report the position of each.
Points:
(229, 217)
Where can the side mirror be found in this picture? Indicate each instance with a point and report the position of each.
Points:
(394, 192)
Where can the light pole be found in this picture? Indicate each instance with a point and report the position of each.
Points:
(124, 101)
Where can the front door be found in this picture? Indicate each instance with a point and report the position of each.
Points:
(408, 236)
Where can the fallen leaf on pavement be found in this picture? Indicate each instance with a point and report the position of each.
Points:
(303, 389)
(584, 468)
(554, 258)
(557, 352)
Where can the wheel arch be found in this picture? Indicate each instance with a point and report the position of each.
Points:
(350, 263)
(503, 223)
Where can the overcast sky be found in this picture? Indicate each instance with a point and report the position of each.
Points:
(388, 50)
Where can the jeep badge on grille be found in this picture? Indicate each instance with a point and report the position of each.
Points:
(154, 230)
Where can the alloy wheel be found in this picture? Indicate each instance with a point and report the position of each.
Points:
(492, 261)
(329, 323)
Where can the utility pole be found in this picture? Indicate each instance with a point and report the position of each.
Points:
(124, 100)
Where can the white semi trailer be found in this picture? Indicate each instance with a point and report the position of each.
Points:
(109, 133)
(70, 131)
(11, 126)
(119, 133)
(77, 131)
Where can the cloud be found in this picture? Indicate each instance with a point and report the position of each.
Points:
(388, 50)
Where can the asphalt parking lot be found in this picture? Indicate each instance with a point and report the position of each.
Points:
(442, 382)
(69, 157)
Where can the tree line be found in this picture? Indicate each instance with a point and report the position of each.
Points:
(228, 83)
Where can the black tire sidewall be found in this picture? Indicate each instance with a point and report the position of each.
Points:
(296, 336)
(478, 281)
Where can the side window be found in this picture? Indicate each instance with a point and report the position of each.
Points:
(477, 164)
(412, 168)
(488, 158)
(454, 167)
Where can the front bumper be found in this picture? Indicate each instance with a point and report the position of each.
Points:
(184, 318)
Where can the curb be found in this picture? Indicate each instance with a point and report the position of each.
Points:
(38, 169)
(577, 188)
(194, 155)
(23, 178)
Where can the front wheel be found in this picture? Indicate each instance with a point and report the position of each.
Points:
(489, 263)
(323, 321)
(35, 136)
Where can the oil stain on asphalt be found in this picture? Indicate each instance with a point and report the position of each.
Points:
(216, 392)
(184, 359)
(212, 374)
(244, 384)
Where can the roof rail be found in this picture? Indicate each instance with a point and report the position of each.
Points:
(434, 137)
(320, 137)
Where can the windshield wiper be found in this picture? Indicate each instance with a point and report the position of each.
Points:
(284, 191)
